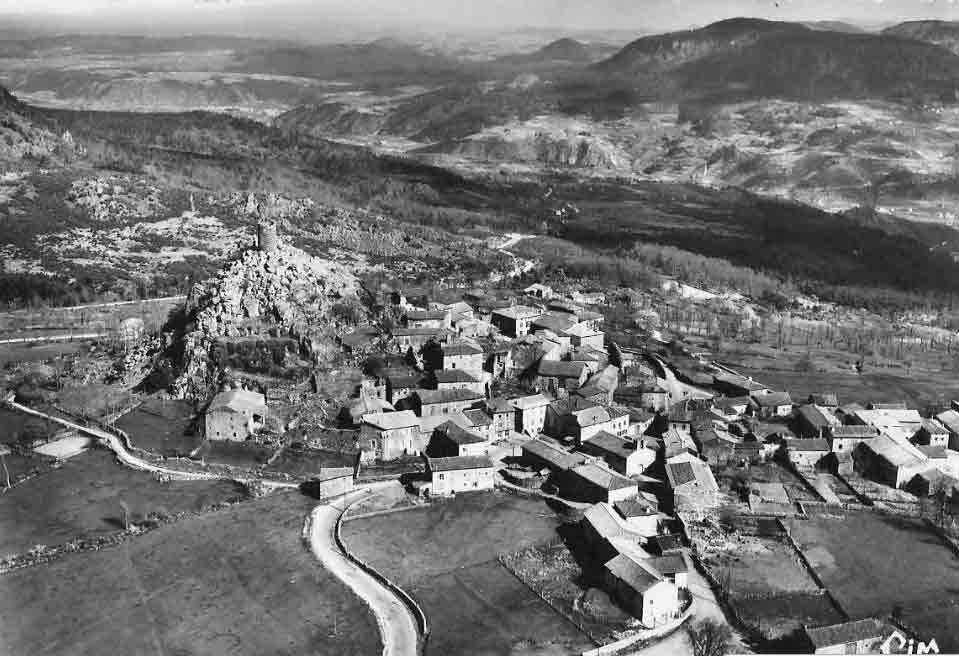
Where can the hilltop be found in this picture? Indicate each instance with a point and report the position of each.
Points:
(940, 33)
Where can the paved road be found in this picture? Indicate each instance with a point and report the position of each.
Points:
(397, 624)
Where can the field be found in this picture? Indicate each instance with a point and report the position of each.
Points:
(446, 556)
(308, 462)
(873, 563)
(236, 582)
(82, 498)
(234, 454)
(161, 427)
(14, 424)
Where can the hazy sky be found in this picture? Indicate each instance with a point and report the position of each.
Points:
(573, 14)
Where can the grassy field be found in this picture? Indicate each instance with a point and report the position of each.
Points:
(446, 556)
(779, 616)
(872, 563)
(235, 454)
(37, 352)
(161, 427)
(13, 424)
(308, 462)
(236, 582)
(83, 498)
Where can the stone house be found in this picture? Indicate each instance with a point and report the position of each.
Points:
(692, 483)
(530, 413)
(235, 415)
(815, 421)
(640, 515)
(503, 414)
(460, 474)
(594, 483)
(932, 433)
(950, 420)
(673, 568)
(427, 319)
(583, 335)
(333, 482)
(772, 404)
(546, 454)
(498, 360)
(391, 435)
(806, 453)
(844, 439)
(416, 338)
(447, 379)
(516, 320)
(401, 384)
(538, 290)
(445, 402)
(466, 357)
(641, 591)
(480, 422)
(889, 461)
(450, 439)
(553, 376)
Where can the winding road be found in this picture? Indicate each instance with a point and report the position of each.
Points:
(398, 627)
(397, 624)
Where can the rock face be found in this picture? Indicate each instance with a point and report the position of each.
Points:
(282, 292)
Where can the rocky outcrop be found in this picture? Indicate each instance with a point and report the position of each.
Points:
(282, 292)
(552, 150)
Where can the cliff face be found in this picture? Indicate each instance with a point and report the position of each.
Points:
(284, 293)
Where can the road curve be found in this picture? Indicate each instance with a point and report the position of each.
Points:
(397, 624)
(115, 444)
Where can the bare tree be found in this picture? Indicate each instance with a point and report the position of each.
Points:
(126, 514)
(709, 637)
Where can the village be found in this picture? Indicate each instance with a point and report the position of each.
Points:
(523, 391)
(670, 473)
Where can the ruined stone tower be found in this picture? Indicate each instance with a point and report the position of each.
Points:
(267, 239)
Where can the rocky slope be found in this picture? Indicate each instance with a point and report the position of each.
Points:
(280, 292)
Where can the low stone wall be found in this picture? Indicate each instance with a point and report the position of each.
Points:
(642, 636)
(421, 622)
(812, 571)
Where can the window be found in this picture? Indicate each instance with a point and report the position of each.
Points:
(441, 477)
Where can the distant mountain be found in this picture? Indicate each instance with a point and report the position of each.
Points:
(115, 44)
(751, 58)
(387, 59)
(562, 50)
(941, 33)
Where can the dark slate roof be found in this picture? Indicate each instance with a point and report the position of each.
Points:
(478, 417)
(461, 349)
(454, 376)
(669, 564)
(459, 463)
(631, 573)
(807, 445)
(603, 478)
(682, 472)
(666, 543)
(933, 452)
(841, 634)
(557, 323)
(498, 405)
(428, 397)
(611, 444)
(814, 416)
(933, 427)
(634, 508)
(557, 369)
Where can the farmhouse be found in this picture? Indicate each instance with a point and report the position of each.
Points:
(333, 481)
(478, 421)
(844, 439)
(607, 534)
(390, 435)
(447, 379)
(444, 402)
(888, 461)
(515, 320)
(772, 404)
(547, 454)
(464, 356)
(692, 483)
(530, 413)
(235, 415)
(460, 474)
(503, 415)
(582, 334)
(806, 453)
(555, 322)
(858, 637)
(553, 375)
(427, 319)
(736, 385)
(932, 433)
(627, 457)
(641, 591)
(640, 515)
(814, 421)
(673, 568)
(450, 439)
(896, 422)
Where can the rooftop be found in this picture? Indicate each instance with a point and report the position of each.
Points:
(392, 420)
(845, 633)
(454, 376)
(419, 332)
(478, 417)
(933, 427)
(772, 399)
(669, 564)
(849, 432)
(557, 369)
(426, 315)
(611, 444)
(635, 508)
(553, 454)
(458, 463)
(949, 419)
(740, 381)
(519, 312)
(461, 349)
(631, 573)
(604, 478)
(498, 404)
(815, 444)
(826, 399)
(893, 452)
(238, 401)
(429, 397)
(817, 416)
(458, 435)
(529, 402)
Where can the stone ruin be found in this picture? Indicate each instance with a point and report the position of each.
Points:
(267, 237)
